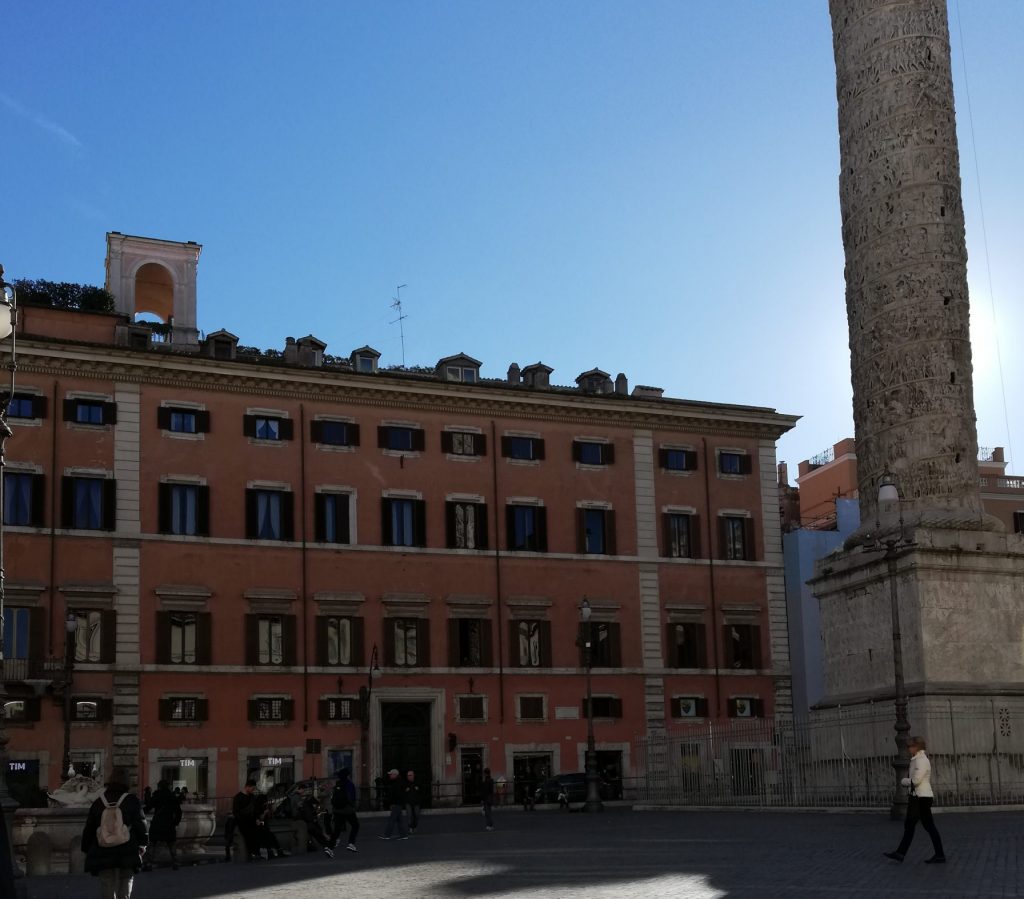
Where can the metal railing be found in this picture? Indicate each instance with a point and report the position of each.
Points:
(840, 759)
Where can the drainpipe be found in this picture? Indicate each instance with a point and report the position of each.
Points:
(711, 578)
(54, 487)
(497, 578)
(302, 538)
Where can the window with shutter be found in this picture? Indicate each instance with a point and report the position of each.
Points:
(526, 527)
(687, 645)
(742, 645)
(531, 708)
(471, 708)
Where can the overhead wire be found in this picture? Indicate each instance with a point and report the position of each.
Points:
(984, 233)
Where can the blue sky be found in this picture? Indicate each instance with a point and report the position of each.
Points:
(644, 187)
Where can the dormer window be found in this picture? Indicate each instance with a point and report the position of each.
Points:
(365, 360)
(462, 368)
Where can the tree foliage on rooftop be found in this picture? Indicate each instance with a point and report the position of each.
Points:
(64, 295)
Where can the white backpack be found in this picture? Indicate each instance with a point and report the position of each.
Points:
(112, 830)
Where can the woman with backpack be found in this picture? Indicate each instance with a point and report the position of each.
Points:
(115, 838)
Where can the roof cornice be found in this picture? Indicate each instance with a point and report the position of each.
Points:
(194, 373)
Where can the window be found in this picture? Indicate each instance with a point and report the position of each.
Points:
(595, 531)
(181, 420)
(271, 708)
(460, 373)
(93, 637)
(91, 708)
(407, 642)
(466, 525)
(339, 640)
(1018, 522)
(745, 707)
(733, 463)
(531, 644)
(592, 452)
(689, 707)
(527, 528)
(90, 412)
(19, 625)
(737, 537)
(334, 433)
(331, 512)
(742, 646)
(463, 443)
(400, 438)
(183, 708)
(23, 498)
(183, 509)
(522, 448)
(269, 514)
(605, 641)
(27, 405)
(22, 710)
(682, 537)
(338, 708)
(183, 638)
(687, 645)
(531, 708)
(469, 642)
(604, 707)
(88, 503)
(404, 522)
(270, 640)
(677, 459)
(471, 708)
(261, 426)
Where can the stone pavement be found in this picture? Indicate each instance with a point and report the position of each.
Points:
(621, 853)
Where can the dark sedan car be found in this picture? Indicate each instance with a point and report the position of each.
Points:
(567, 789)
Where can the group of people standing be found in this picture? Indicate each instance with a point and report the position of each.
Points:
(402, 795)
(251, 813)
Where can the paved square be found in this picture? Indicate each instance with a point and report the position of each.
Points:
(621, 853)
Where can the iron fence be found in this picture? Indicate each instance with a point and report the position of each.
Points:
(839, 759)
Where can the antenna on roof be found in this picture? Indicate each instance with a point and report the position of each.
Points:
(397, 304)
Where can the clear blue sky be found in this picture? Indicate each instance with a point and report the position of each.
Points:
(647, 187)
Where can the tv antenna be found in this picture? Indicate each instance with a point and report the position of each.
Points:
(397, 304)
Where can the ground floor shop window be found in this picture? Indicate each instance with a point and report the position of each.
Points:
(270, 770)
(186, 774)
(338, 759)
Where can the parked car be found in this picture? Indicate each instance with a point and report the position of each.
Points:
(567, 789)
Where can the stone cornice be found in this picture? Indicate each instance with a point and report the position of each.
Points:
(196, 373)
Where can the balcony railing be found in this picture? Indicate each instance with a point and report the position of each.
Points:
(22, 670)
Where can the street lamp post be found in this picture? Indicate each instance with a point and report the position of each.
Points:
(8, 321)
(593, 801)
(364, 738)
(888, 491)
(71, 627)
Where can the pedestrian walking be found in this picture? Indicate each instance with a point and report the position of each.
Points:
(115, 837)
(163, 828)
(343, 811)
(396, 801)
(487, 799)
(310, 812)
(919, 805)
(412, 800)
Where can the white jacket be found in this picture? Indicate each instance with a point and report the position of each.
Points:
(920, 776)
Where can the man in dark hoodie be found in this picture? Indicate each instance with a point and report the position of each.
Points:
(343, 811)
(116, 865)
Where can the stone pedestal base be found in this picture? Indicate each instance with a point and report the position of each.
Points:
(960, 599)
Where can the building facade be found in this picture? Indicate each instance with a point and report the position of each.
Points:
(224, 562)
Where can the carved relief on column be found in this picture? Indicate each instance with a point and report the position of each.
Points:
(906, 259)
